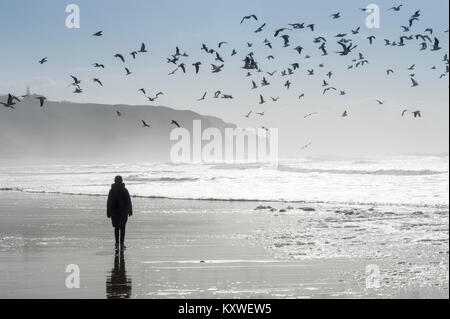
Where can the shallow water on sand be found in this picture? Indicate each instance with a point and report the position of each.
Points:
(213, 249)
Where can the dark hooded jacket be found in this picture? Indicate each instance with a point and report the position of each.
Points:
(119, 205)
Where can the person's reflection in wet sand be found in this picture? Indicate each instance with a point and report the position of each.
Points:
(118, 285)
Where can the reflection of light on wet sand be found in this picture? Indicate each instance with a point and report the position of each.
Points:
(223, 261)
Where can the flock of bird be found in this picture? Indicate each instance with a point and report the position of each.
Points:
(426, 40)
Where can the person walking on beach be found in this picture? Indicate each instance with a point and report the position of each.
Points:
(119, 207)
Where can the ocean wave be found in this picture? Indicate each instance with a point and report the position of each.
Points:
(137, 178)
(390, 172)
(223, 199)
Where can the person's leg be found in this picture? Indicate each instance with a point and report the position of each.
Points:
(122, 234)
(117, 234)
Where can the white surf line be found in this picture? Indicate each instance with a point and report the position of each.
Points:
(224, 261)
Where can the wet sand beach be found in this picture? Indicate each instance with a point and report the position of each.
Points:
(219, 249)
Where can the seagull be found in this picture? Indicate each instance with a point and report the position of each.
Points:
(43, 60)
(397, 8)
(118, 113)
(404, 111)
(143, 50)
(287, 84)
(97, 65)
(175, 123)
(436, 46)
(120, 56)
(260, 113)
(260, 28)
(356, 31)
(328, 88)
(275, 99)
(144, 124)
(133, 54)
(261, 99)
(412, 67)
(75, 80)
(98, 34)
(97, 81)
(380, 102)
(371, 38)
(182, 67)
(305, 146)
(78, 90)
(346, 49)
(254, 86)
(310, 114)
(345, 114)
(216, 68)
(203, 97)
(264, 82)
(414, 83)
(128, 71)
(405, 28)
(324, 51)
(248, 114)
(249, 17)
(417, 114)
(10, 103)
(41, 100)
(389, 71)
(142, 90)
(298, 49)
(336, 15)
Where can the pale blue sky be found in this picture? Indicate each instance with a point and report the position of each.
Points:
(31, 30)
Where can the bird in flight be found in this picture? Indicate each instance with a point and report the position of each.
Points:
(436, 46)
(336, 15)
(120, 56)
(249, 17)
(97, 81)
(97, 65)
(260, 28)
(41, 100)
(346, 49)
(144, 124)
(345, 114)
(417, 114)
(142, 50)
(397, 8)
(10, 102)
(43, 60)
(310, 114)
(414, 82)
(261, 99)
(75, 80)
(248, 114)
(98, 34)
(203, 97)
(305, 146)
(175, 123)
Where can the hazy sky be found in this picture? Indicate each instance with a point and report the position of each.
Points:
(31, 30)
